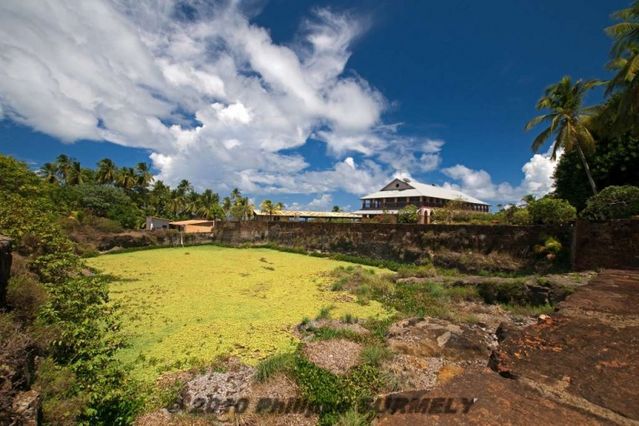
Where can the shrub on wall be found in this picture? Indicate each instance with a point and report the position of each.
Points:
(407, 214)
(550, 210)
(614, 202)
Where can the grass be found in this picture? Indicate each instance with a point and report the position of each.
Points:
(184, 310)
(529, 310)
(375, 354)
(273, 365)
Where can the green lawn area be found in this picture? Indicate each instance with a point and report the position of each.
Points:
(184, 306)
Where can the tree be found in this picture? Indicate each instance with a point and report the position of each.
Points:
(625, 62)
(208, 205)
(144, 176)
(107, 172)
(49, 172)
(127, 178)
(568, 121)
(336, 209)
(159, 199)
(75, 176)
(63, 165)
(614, 202)
(614, 162)
(267, 206)
(176, 205)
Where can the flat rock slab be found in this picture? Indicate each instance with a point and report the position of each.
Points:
(335, 355)
(587, 354)
(431, 337)
(498, 401)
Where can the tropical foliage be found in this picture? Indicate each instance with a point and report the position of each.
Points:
(614, 202)
(71, 325)
(601, 142)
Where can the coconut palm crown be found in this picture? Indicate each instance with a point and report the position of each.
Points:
(567, 120)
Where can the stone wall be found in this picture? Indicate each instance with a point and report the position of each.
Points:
(613, 244)
(5, 268)
(399, 242)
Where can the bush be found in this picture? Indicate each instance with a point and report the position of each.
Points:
(550, 210)
(407, 214)
(614, 202)
(25, 295)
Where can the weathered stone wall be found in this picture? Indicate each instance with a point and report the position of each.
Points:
(5, 268)
(160, 238)
(590, 245)
(407, 243)
(613, 244)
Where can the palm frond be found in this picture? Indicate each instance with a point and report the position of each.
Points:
(536, 120)
(541, 139)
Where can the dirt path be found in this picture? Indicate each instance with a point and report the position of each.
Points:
(580, 366)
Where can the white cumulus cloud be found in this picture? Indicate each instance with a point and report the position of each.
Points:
(537, 180)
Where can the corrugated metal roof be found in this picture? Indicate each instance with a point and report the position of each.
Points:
(190, 222)
(308, 213)
(425, 190)
(376, 212)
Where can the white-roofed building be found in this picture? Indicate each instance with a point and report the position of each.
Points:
(403, 192)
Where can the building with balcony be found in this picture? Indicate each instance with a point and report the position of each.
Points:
(403, 192)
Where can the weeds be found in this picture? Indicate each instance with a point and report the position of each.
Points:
(325, 313)
(529, 310)
(375, 354)
(271, 366)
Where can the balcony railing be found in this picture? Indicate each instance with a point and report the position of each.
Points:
(399, 205)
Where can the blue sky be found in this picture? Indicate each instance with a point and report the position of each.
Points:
(308, 102)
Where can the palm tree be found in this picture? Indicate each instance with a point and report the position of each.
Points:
(144, 175)
(63, 165)
(176, 205)
(49, 172)
(127, 178)
(184, 187)
(271, 209)
(209, 205)
(568, 120)
(625, 53)
(242, 209)
(74, 174)
(236, 194)
(226, 205)
(107, 172)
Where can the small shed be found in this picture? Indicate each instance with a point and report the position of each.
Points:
(154, 223)
(193, 225)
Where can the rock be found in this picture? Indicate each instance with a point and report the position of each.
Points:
(335, 355)
(5, 268)
(505, 330)
(586, 353)
(217, 392)
(26, 408)
(430, 337)
(332, 323)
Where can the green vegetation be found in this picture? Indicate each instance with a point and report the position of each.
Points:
(549, 210)
(407, 214)
(273, 365)
(126, 195)
(601, 142)
(614, 202)
(57, 312)
(411, 298)
(181, 310)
